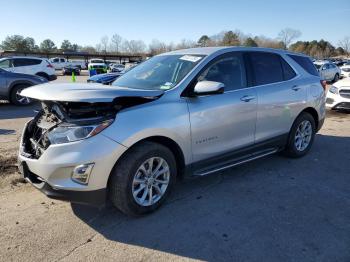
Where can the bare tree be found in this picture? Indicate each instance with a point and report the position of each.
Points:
(287, 35)
(134, 46)
(104, 43)
(156, 47)
(116, 43)
(185, 43)
(345, 44)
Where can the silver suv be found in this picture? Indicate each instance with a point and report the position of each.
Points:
(194, 111)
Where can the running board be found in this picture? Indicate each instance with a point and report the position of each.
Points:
(236, 162)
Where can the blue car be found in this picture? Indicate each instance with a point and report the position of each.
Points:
(105, 79)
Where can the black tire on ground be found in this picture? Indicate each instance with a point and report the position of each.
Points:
(13, 95)
(122, 175)
(336, 78)
(44, 76)
(291, 149)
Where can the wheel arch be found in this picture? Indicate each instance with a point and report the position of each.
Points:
(165, 141)
(17, 83)
(313, 112)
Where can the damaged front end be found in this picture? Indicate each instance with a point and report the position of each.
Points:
(64, 122)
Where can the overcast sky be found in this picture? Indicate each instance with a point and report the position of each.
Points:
(85, 22)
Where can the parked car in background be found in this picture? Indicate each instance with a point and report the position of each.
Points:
(68, 70)
(59, 63)
(105, 79)
(99, 65)
(117, 68)
(328, 71)
(29, 65)
(345, 70)
(195, 111)
(338, 95)
(12, 84)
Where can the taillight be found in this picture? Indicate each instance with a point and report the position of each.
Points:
(323, 84)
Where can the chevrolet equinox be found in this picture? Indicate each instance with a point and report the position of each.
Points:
(194, 111)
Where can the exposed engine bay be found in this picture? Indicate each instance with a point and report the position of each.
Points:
(69, 115)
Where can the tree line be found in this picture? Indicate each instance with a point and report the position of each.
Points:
(117, 44)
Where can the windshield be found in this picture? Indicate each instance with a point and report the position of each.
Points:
(159, 73)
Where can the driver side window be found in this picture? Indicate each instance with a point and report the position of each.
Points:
(228, 70)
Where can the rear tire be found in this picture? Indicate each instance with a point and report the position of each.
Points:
(336, 78)
(18, 100)
(134, 190)
(44, 76)
(301, 136)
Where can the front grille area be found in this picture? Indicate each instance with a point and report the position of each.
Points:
(344, 93)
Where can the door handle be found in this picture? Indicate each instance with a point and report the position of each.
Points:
(295, 88)
(247, 98)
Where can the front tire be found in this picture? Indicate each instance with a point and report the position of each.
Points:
(17, 99)
(142, 179)
(301, 136)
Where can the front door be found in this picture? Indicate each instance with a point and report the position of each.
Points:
(224, 122)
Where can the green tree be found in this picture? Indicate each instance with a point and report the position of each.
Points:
(250, 42)
(204, 40)
(18, 43)
(66, 45)
(230, 39)
(47, 46)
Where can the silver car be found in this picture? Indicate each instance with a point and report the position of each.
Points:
(187, 112)
(328, 71)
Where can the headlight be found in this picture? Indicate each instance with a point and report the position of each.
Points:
(66, 134)
(333, 90)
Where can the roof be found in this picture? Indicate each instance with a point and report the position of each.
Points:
(224, 49)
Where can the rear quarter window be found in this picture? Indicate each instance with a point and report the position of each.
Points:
(305, 63)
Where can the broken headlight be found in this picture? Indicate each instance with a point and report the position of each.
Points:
(66, 134)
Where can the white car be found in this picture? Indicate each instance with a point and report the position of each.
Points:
(59, 63)
(327, 70)
(98, 64)
(345, 70)
(117, 67)
(338, 95)
(29, 65)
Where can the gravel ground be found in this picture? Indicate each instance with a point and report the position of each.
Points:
(273, 209)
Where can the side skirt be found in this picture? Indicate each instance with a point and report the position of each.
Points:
(238, 157)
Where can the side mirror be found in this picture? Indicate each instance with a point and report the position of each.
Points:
(208, 88)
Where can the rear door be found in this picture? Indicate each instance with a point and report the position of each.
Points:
(280, 93)
(224, 122)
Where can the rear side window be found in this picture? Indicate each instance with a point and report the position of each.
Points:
(305, 63)
(5, 63)
(288, 72)
(266, 68)
(25, 62)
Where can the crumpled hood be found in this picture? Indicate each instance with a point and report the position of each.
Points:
(91, 93)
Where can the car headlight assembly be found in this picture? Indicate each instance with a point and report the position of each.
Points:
(334, 90)
(66, 134)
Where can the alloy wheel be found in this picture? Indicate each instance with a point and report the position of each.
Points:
(151, 181)
(303, 135)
